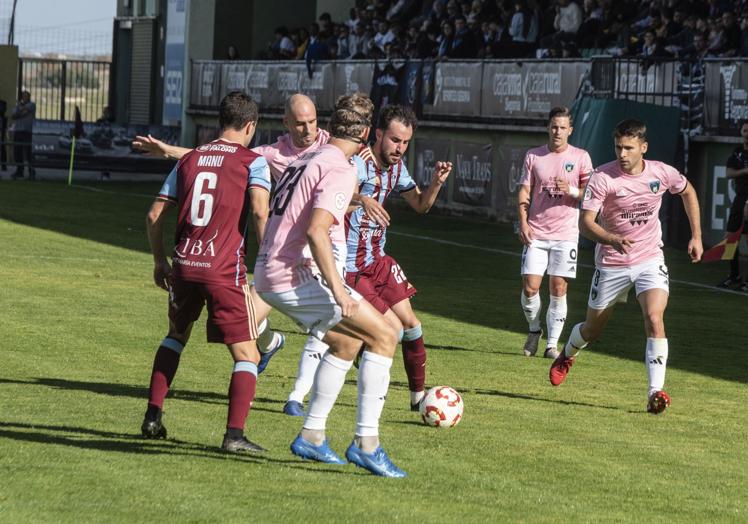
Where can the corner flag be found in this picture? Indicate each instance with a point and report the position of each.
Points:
(725, 250)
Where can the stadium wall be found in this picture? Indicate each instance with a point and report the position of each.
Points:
(9, 76)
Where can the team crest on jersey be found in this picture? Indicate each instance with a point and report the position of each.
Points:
(654, 186)
(568, 167)
(588, 194)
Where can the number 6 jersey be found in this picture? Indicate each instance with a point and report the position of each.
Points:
(209, 184)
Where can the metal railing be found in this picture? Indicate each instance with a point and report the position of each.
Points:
(58, 86)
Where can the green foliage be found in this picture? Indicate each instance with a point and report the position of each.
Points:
(81, 321)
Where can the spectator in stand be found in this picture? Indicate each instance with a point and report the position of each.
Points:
(436, 14)
(302, 44)
(445, 40)
(590, 31)
(652, 46)
(427, 45)
(358, 42)
(523, 30)
(567, 21)
(697, 50)
(283, 47)
(384, 35)
(317, 48)
(344, 42)
(732, 35)
(684, 38)
(744, 37)
(232, 53)
(353, 19)
(463, 43)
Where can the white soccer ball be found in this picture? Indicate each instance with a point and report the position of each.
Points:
(441, 407)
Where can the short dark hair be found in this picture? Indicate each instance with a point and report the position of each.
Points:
(558, 112)
(631, 127)
(402, 114)
(237, 109)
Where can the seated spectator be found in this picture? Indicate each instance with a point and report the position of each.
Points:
(716, 38)
(732, 35)
(302, 44)
(684, 38)
(358, 42)
(523, 28)
(445, 40)
(697, 50)
(426, 44)
(232, 53)
(317, 48)
(463, 43)
(384, 35)
(567, 21)
(652, 46)
(353, 19)
(282, 48)
(591, 28)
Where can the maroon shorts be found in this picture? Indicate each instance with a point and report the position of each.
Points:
(231, 315)
(383, 284)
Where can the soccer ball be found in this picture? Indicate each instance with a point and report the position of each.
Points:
(441, 407)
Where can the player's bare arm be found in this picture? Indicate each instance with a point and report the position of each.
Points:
(523, 203)
(735, 173)
(318, 236)
(592, 230)
(154, 225)
(259, 198)
(154, 146)
(372, 207)
(691, 205)
(421, 201)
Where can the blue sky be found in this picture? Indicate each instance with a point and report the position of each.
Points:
(63, 26)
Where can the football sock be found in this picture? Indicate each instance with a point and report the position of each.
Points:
(314, 350)
(555, 318)
(414, 357)
(575, 342)
(241, 393)
(531, 306)
(373, 382)
(165, 365)
(328, 382)
(656, 359)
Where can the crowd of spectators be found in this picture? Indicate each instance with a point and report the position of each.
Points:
(464, 29)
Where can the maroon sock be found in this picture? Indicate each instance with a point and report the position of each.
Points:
(165, 366)
(241, 395)
(414, 356)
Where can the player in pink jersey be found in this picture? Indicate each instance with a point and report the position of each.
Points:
(299, 272)
(300, 119)
(628, 193)
(552, 181)
(210, 189)
(369, 270)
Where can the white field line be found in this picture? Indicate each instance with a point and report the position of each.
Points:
(517, 254)
(459, 244)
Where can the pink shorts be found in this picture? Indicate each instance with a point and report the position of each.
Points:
(231, 315)
(383, 284)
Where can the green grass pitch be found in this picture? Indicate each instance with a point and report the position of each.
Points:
(81, 319)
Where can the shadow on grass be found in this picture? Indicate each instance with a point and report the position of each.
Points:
(126, 443)
(128, 390)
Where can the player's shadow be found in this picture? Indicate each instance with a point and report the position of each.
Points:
(109, 441)
(131, 391)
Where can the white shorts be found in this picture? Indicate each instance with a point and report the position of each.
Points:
(612, 284)
(558, 257)
(311, 305)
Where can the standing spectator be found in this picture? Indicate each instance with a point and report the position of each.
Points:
(567, 21)
(344, 42)
(357, 42)
(283, 47)
(232, 53)
(732, 35)
(463, 44)
(522, 28)
(384, 36)
(23, 117)
(737, 170)
(317, 49)
(302, 44)
(445, 40)
(353, 19)
(744, 37)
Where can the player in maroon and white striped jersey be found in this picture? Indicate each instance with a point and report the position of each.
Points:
(210, 188)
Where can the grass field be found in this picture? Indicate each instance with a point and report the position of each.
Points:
(81, 320)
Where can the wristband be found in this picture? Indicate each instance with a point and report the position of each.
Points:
(574, 192)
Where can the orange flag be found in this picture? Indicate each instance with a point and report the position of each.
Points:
(725, 250)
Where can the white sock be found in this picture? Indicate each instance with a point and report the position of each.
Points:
(416, 396)
(575, 342)
(656, 360)
(328, 381)
(373, 382)
(311, 357)
(531, 306)
(555, 318)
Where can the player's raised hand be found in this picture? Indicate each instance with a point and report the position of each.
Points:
(162, 274)
(149, 144)
(695, 250)
(621, 244)
(525, 233)
(375, 210)
(441, 172)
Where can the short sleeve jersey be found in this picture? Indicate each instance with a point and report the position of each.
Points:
(554, 215)
(322, 179)
(739, 160)
(629, 206)
(282, 153)
(365, 238)
(209, 185)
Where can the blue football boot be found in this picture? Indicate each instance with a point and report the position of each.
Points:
(322, 453)
(377, 462)
(293, 408)
(280, 341)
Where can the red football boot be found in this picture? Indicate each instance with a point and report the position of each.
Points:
(560, 368)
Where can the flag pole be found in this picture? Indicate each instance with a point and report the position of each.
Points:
(72, 156)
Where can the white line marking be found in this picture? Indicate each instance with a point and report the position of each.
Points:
(97, 190)
(515, 254)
